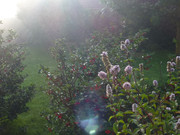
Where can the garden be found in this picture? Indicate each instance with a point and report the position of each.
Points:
(91, 67)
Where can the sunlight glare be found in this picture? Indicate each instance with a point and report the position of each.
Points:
(8, 8)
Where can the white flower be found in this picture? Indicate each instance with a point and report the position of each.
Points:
(179, 120)
(49, 73)
(141, 67)
(109, 91)
(153, 92)
(104, 54)
(168, 63)
(173, 64)
(55, 77)
(168, 66)
(177, 126)
(123, 47)
(134, 107)
(168, 108)
(127, 42)
(177, 59)
(155, 83)
(172, 97)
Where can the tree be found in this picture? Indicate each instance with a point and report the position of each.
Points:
(47, 20)
(161, 16)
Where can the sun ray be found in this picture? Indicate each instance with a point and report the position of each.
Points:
(8, 8)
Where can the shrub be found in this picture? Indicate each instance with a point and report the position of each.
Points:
(78, 104)
(140, 108)
(75, 102)
(13, 97)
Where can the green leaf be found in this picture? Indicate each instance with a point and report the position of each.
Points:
(115, 127)
(144, 96)
(128, 112)
(145, 105)
(119, 114)
(128, 60)
(174, 41)
(177, 92)
(111, 117)
(116, 87)
(140, 111)
(120, 94)
(178, 88)
(135, 121)
(124, 127)
(121, 121)
(153, 101)
(135, 132)
(160, 123)
(148, 132)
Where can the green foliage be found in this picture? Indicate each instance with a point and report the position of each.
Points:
(72, 91)
(160, 16)
(13, 97)
(74, 88)
(141, 108)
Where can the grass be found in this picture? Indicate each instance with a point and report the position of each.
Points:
(31, 121)
(158, 71)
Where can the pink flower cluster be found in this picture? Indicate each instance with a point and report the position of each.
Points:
(127, 42)
(104, 54)
(170, 66)
(124, 44)
(102, 75)
(155, 83)
(127, 86)
(128, 69)
(114, 70)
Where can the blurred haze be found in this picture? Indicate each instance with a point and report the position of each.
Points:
(40, 22)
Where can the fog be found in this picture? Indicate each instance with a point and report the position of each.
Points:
(41, 22)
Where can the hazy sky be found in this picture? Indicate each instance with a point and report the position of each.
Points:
(8, 9)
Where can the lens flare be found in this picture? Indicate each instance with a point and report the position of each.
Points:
(90, 125)
(89, 113)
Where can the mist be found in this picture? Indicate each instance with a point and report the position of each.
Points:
(41, 22)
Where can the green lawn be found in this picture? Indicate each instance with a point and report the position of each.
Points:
(158, 71)
(31, 121)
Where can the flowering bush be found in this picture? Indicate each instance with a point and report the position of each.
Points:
(112, 43)
(76, 102)
(140, 108)
(13, 97)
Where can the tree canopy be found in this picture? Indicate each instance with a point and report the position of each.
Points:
(161, 16)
